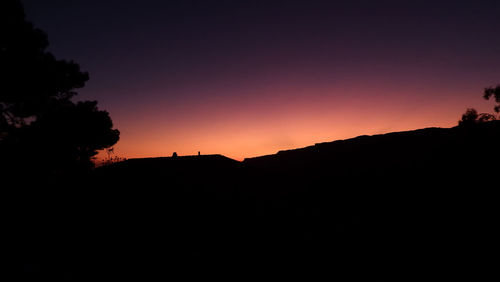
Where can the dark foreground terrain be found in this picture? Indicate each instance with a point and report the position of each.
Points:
(405, 203)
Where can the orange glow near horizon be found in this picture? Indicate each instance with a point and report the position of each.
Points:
(241, 128)
(245, 79)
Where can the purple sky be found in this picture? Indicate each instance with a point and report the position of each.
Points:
(244, 78)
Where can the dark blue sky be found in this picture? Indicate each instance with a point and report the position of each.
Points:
(231, 60)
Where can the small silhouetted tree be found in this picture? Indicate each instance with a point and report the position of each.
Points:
(38, 120)
(471, 116)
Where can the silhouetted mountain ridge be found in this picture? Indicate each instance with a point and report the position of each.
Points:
(366, 142)
(405, 143)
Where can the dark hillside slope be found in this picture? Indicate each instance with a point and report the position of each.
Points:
(412, 193)
(425, 185)
(180, 170)
(421, 199)
(427, 159)
(189, 176)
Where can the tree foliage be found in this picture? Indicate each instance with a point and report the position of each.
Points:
(471, 116)
(30, 77)
(495, 93)
(76, 131)
(38, 118)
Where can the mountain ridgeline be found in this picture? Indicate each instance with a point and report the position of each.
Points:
(397, 200)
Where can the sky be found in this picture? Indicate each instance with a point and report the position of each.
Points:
(249, 78)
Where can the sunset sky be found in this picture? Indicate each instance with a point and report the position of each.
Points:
(248, 78)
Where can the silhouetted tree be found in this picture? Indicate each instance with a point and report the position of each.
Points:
(485, 117)
(36, 111)
(72, 133)
(493, 92)
(471, 116)
(30, 77)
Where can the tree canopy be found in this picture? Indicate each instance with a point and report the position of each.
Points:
(38, 119)
(495, 93)
(471, 116)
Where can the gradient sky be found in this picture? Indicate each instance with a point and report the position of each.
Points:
(247, 78)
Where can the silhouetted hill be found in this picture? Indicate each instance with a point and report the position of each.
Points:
(401, 199)
(181, 168)
(173, 162)
(407, 147)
